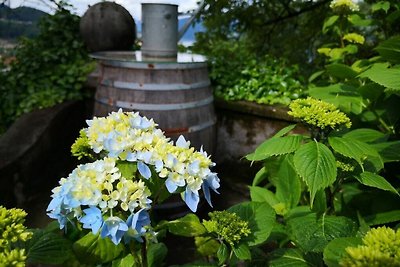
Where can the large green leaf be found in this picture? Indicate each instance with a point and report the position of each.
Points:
(284, 131)
(383, 218)
(356, 20)
(287, 183)
(242, 252)
(316, 165)
(287, 257)
(189, 226)
(260, 194)
(329, 22)
(156, 254)
(276, 146)
(381, 5)
(346, 97)
(336, 249)
(260, 176)
(352, 148)
(389, 151)
(365, 135)
(375, 180)
(261, 218)
(312, 233)
(390, 49)
(341, 71)
(127, 261)
(93, 249)
(381, 74)
(371, 91)
(48, 248)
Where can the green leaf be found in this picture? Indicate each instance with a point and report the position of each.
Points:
(312, 234)
(371, 91)
(127, 169)
(284, 131)
(188, 226)
(352, 148)
(315, 75)
(276, 146)
(260, 194)
(341, 71)
(390, 49)
(383, 218)
(222, 253)
(93, 249)
(127, 261)
(375, 180)
(287, 183)
(260, 176)
(356, 20)
(156, 254)
(316, 165)
(336, 249)
(287, 257)
(261, 218)
(389, 151)
(329, 22)
(48, 248)
(381, 5)
(381, 74)
(242, 252)
(365, 135)
(345, 97)
(299, 211)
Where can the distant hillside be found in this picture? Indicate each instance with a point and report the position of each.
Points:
(21, 21)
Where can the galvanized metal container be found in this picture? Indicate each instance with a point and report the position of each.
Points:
(159, 32)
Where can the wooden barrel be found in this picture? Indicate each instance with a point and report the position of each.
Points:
(177, 95)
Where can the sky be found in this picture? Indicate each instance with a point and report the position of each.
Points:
(133, 6)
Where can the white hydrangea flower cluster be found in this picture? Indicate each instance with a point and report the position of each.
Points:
(128, 136)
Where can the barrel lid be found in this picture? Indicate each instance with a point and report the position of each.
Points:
(165, 2)
(133, 59)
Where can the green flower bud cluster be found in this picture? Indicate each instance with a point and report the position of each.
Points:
(344, 6)
(228, 226)
(81, 148)
(381, 247)
(318, 113)
(345, 167)
(12, 231)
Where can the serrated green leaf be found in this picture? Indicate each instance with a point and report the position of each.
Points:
(127, 261)
(48, 248)
(276, 146)
(222, 253)
(389, 151)
(329, 22)
(298, 211)
(375, 180)
(316, 165)
(260, 216)
(381, 74)
(390, 49)
(287, 183)
(345, 97)
(284, 131)
(383, 218)
(188, 226)
(312, 234)
(341, 71)
(242, 252)
(352, 148)
(260, 194)
(365, 135)
(156, 254)
(260, 176)
(287, 257)
(336, 249)
(93, 249)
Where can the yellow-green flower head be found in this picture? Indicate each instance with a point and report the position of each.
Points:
(344, 6)
(227, 226)
(12, 233)
(354, 38)
(318, 113)
(381, 247)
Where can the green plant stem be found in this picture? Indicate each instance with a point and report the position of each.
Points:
(144, 253)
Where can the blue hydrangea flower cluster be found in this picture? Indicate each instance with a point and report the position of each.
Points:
(102, 200)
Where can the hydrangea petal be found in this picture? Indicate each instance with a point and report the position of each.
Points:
(144, 170)
(191, 199)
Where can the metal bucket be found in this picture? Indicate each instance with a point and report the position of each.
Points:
(159, 32)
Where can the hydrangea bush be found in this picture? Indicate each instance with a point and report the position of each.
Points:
(134, 167)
